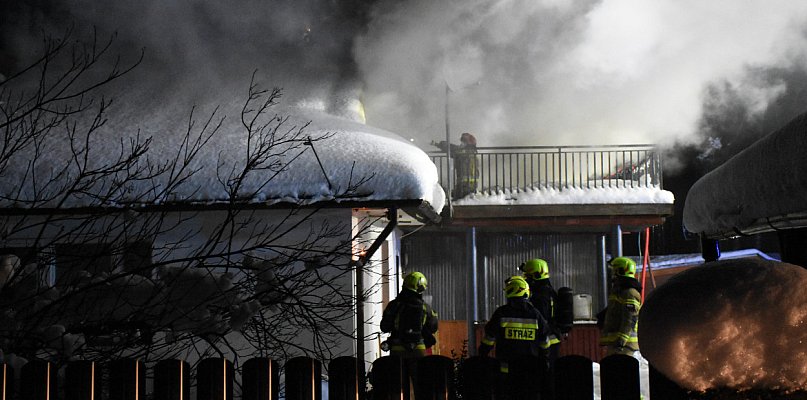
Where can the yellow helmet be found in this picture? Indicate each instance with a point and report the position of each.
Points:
(623, 266)
(415, 281)
(536, 269)
(516, 286)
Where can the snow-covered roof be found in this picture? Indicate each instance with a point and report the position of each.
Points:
(761, 188)
(348, 152)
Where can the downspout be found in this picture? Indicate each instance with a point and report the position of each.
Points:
(472, 291)
(392, 216)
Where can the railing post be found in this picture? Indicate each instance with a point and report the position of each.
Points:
(172, 380)
(559, 185)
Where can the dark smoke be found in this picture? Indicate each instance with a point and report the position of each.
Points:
(203, 50)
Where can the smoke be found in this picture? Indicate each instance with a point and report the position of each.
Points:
(530, 72)
(584, 72)
(203, 52)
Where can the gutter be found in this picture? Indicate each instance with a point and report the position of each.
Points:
(762, 225)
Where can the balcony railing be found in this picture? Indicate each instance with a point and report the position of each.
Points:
(520, 168)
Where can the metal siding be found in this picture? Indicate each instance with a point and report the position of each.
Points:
(572, 260)
(441, 257)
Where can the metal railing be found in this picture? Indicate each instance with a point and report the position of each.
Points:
(521, 168)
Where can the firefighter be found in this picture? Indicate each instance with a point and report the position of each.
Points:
(466, 171)
(622, 313)
(544, 298)
(410, 321)
(516, 329)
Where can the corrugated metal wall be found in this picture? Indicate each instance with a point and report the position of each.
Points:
(441, 256)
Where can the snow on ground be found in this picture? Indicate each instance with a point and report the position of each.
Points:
(737, 324)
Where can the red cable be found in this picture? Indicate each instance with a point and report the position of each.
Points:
(646, 260)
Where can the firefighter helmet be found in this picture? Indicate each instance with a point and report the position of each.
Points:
(516, 286)
(415, 281)
(536, 269)
(623, 266)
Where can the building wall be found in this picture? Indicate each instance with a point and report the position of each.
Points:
(185, 234)
(442, 257)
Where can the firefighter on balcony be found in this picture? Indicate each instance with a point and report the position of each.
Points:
(622, 314)
(410, 321)
(466, 172)
(516, 329)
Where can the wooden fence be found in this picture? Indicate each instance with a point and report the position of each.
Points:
(436, 377)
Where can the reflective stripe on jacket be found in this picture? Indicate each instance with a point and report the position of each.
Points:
(517, 329)
(622, 319)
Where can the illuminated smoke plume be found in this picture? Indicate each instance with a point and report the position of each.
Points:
(738, 324)
(582, 72)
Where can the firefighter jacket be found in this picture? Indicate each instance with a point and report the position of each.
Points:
(466, 170)
(516, 329)
(410, 321)
(544, 298)
(622, 314)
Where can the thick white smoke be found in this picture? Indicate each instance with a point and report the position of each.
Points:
(736, 324)
(582, 72)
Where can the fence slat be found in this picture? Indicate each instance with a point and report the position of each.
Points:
(619, 377)
(303, 379)
(343, 379)
(127, 380)
(38, 381)
(172, 380)
(214, 379)
(435, 378)
(480, 378)
(390, 379)
(6, 381)
(81, 380)
(574, 378)
(260, 379)
(527, 378)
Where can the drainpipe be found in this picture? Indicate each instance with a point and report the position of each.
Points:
(710, 249)
(602, 255)
(392, 215)
(471, 291)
